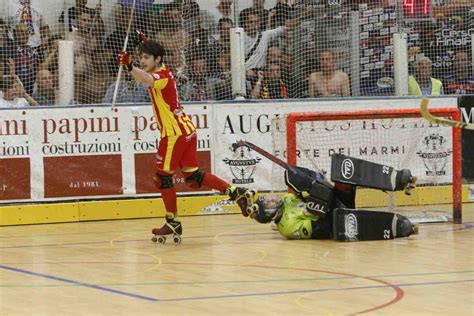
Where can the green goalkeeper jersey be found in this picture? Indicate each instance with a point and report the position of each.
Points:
(295, 222)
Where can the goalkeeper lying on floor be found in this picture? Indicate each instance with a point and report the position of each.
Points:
(319, 209)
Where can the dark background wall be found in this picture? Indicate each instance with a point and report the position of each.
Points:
(467, 102)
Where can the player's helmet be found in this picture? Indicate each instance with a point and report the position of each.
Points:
(267, 208)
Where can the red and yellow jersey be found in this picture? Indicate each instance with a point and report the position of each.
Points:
(169, 114)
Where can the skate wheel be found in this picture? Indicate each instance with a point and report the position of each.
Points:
(177, 239)
(154, 239)
(160, 239)
(252, 211)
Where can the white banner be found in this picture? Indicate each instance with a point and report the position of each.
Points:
(57, 153)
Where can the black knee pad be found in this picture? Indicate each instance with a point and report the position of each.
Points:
(195, 180)
(163, 181)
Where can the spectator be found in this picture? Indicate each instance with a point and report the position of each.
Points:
(195, 89)
(223, 39)
(129, 91)
(210, 20)
(200, 38)
(276, 56)
(2, 74)
(220, 44)
(422, 84)
(14, 95)
(25, 13)
(144, 15)
(173, 38)
(329, 82)
(45, 92)
(6, 43)
(280, 14)
(97, 79)
(50, 55)
(269, 84)
(73, 13)
(220, 84)
(256, 42)
(258, 9)
(84, 43)
(114, 42)
(461, 80)
(25, 57)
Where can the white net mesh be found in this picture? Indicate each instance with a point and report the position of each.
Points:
(402, 143)
(293, 49)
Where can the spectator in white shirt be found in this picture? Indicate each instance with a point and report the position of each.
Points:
(14, 95)
(256, 42)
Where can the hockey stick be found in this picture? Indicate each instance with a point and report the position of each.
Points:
(270, 157)
(441, 120)
(119, 75)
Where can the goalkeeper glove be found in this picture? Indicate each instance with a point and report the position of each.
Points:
(125, 59)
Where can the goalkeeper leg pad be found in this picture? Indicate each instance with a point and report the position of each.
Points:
(361, 225)
(367, 174)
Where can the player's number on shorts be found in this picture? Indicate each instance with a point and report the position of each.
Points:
(386, 234)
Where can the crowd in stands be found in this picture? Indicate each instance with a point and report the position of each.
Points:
(197, 48)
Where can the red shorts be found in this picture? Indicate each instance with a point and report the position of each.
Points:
(175, 151)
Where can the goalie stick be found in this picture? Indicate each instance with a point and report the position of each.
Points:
(269, 156)
(441, 120)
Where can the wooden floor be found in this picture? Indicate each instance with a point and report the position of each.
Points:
(231, 265)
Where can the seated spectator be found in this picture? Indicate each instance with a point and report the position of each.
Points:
(269, 84)
(328, 82)
(14, 95)
(220, 84)
(195, 89)
(72, 15)
(85, 43)
(115, 40)
(144, 15)
(210, 19)
(220, 44)
(222, 41)
(279, 14)
(461, 80)
(45, 92)
(24, 12)
(422, 84)
(6, 43)
(173, 38)
(276, 56)
(97, 80)
(51, 58)
(258, 9)
(129, 91)
(25, 57)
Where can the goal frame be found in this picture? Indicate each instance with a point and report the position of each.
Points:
(453, 113)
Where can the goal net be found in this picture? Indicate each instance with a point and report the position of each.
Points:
(397, 138)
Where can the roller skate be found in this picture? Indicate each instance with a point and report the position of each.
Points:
(405, 181)
(244, 198)
(171, 227)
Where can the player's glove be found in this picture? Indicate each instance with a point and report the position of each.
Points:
(125, 59)
(141, 36)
